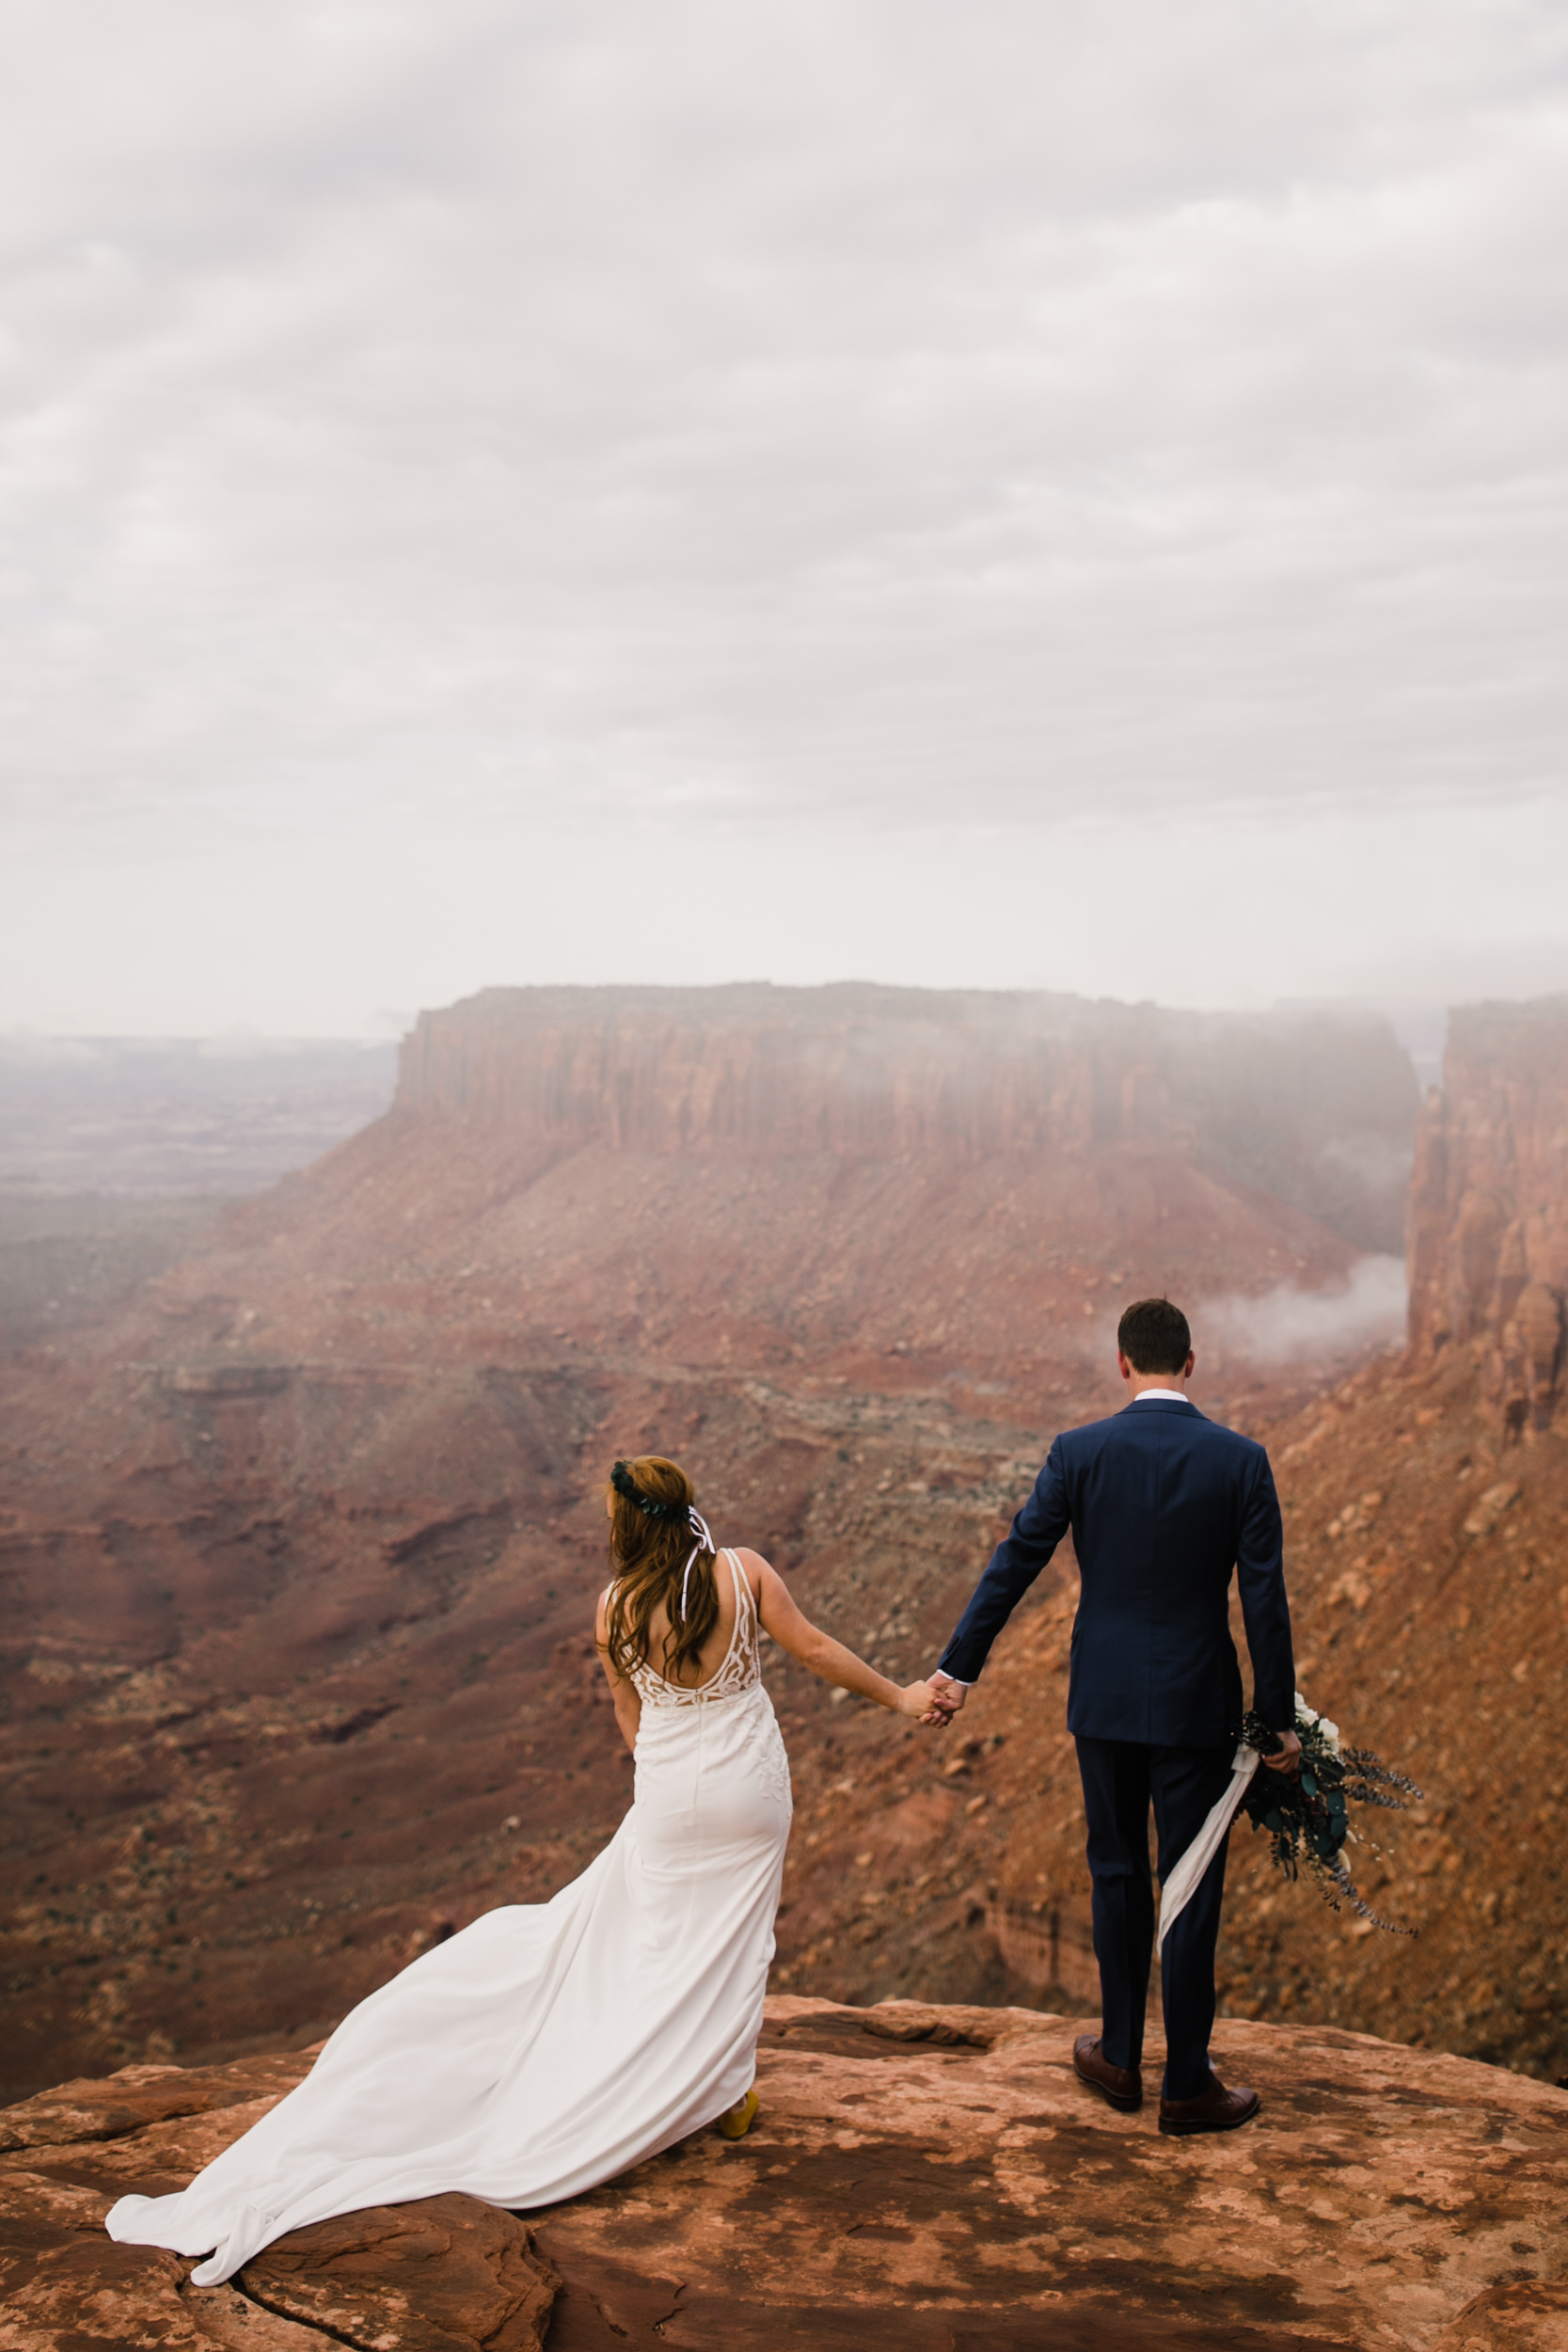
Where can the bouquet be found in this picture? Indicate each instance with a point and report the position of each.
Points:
(1308, 1818)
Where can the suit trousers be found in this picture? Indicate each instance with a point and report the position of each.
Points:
(1120, 1778)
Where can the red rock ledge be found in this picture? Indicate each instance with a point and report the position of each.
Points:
(921, 2178)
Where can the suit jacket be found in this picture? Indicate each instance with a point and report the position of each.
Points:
(1163, 1504)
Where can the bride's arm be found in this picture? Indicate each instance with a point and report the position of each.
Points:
(819, 1651)
(629, 1707)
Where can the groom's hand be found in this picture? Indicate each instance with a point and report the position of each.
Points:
(1287, 1756)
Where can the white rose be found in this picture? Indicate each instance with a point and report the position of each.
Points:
(1307, 1713)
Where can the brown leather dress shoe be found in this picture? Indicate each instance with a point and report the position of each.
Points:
(1123, 2085)
(1216, 2109)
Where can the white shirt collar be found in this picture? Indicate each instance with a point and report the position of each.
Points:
(1159, 1396)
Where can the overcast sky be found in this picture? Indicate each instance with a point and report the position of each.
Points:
(1019, 493)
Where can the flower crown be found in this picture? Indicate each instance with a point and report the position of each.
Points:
(651, 1507)
(655, 1507)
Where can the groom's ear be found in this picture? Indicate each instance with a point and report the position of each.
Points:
(1123, 1366)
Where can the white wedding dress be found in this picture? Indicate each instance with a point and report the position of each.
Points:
(550, 2046)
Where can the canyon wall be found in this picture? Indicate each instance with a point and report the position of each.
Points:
(1487, 1233)
(1315, 1108)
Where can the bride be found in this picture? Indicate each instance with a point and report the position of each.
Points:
(550, 2046)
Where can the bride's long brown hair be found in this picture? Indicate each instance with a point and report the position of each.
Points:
(647, 1560)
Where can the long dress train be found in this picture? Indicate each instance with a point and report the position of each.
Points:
(550, 2046)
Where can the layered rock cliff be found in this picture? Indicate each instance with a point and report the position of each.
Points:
(1316, 1109)
(1487, 1237)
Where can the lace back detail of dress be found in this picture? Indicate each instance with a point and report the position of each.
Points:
(741, 1667)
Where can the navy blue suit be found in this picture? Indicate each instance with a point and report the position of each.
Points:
(1163, 1506)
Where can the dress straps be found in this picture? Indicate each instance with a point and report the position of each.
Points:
(739, 1668)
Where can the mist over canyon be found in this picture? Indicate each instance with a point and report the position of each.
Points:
(301, 1533)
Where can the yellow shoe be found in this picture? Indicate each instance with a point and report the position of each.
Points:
(738, 2121)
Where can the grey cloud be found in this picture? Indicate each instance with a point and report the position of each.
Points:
(715, 415)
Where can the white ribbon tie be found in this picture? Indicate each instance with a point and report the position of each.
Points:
(704, 1543)
(1183, 1882)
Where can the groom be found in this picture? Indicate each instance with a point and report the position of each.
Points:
(1163, 1504)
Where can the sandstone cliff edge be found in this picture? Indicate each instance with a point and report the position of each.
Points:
(921, 2178)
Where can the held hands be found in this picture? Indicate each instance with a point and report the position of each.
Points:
(942, 1701)
(918, 1702)
(926, 1703)
(933, 1702)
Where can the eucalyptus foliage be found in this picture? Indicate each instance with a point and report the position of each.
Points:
(1307, 1819)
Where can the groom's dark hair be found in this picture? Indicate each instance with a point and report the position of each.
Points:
(1153, 1336)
